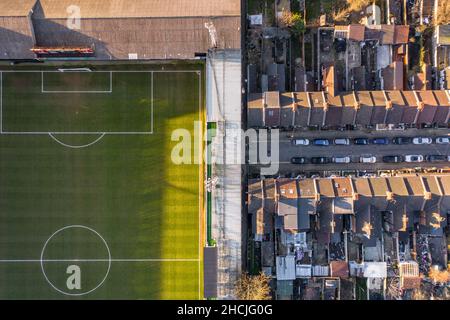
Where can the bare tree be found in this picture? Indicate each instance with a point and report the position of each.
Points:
(253, 287)
(438, 276)
(443, 12)
(394, 291)
(292, 21)
(352, 6)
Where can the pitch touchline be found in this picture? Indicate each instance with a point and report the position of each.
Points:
(97, 260)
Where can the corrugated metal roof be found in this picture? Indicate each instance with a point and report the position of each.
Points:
(320, 271)
(16, 8)
(16, 38)
(303, 271)
(150, 38)
(285, 267)
(54, 9)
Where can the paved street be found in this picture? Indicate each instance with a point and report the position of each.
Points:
(287, 150)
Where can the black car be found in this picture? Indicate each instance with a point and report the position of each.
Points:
(380, 141)
(298, 160)
(401, 140)
(393, 159)
(436, 158)
(361, 141)
(320, 160)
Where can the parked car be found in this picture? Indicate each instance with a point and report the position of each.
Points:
(436, 158)
(422, 140)
(342, 141)
(380, 141)
(345, 159)
(300, 142)
(393, 159)
(401, 140)
(442, 140)
(298, 160)
(361, 141)
(320, 160)
(414, 158)
(367, 159)
(321, 142)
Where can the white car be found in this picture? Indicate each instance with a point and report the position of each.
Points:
(300, 142)
(414, 158)
(422, 140)
(367, 159)
(341, 159)
(442, 140)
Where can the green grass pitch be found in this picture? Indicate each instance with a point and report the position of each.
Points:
(118, 209)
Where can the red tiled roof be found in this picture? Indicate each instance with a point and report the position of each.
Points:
(356, 32)
(339, 269)
(401, 34)
(411, 283)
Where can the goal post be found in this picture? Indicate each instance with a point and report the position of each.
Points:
(74, 70)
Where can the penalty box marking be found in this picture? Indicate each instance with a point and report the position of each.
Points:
(76, 91)
(199, 72)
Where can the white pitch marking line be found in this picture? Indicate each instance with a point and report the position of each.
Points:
(95, 260)
(151, 93)
(80, 132)
(74, 133)
(78, 91)
(113, 71)
(1, 102)
(76, 147)
(200, 246)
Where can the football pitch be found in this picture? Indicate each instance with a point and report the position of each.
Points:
(91, 204)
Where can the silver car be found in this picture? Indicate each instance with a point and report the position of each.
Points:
(367, 159)
(341, 141)
(345, 159)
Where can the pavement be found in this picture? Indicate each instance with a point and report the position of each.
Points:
(287, 150)
(227, 220)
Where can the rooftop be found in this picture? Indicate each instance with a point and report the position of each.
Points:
(57, 9)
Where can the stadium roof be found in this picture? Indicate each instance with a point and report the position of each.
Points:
(121, 29)
(16, 8)
(55, 9)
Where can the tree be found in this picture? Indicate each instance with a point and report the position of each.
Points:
(293, 21)
(253, 287)
(349, 7)
(438, 276)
